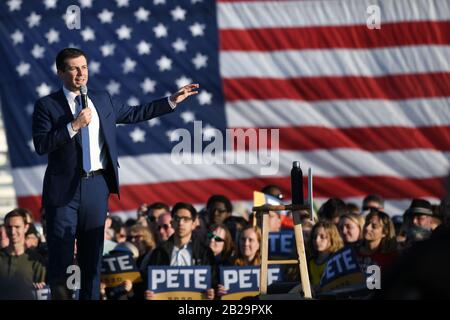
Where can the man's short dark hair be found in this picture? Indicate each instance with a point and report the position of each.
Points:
(67, 53)
(159, 205)
(16, 213)
(220, 198)
(331, 209)
(187, 206)
(373, 198)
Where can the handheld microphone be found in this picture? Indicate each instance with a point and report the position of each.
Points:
(84, 101)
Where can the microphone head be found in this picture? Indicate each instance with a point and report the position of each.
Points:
(83, 89)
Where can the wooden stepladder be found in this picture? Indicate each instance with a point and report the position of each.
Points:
(298, 232)
(301, 261)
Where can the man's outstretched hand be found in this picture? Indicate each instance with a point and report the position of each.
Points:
(184, 92)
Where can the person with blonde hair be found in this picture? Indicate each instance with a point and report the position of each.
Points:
(144, 240)
(249, 248)
(351, 227)
(325, 240)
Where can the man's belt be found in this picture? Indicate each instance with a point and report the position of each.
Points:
(92, 173)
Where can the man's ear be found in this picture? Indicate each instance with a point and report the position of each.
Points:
(27, 226)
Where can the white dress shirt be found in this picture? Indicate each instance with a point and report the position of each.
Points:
(96, 139)
(182, 256)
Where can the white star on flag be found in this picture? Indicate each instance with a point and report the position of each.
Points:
(124, 32)
(88, 34)
(209, 132)
(164, 63)
(122, 3)
(144, 47)
(31, 145)
(94, 67)
(155, 2)
(37, 51)
(173, 135)
(33, 20)
(128, 65)
(148, 85)
(153, 122)
(113, 87)
(204, 97)
(137, 135)
(14, 5)
(179, 45)
(50, 4)
(52, 36)
(23, 69)
(17, 37)
(53, 68)
(108, 49)
(142, 14)
(197, 29)
(195, 1)
(133, 101)
(182, 81)
(187, 116)
(178, 13)
(160, 31)
(43, 89)
(106, 16)
(86, 3)
(200, 61)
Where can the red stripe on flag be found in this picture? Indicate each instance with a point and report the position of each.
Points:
(328, 37)
(240, 189)
(367, 138)
(396, 87)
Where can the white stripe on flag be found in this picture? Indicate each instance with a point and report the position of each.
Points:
(338, 113)
(336, 62)
(326, 163)
(266, 14)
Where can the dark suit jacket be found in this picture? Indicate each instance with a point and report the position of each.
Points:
(50, 136)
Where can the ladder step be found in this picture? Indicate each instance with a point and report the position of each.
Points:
(282, 262)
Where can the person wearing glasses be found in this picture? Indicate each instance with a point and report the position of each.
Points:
(184, 248)
(164, 227)
(219, 208)
(221, 244)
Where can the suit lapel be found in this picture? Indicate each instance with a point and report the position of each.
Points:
(62, 100)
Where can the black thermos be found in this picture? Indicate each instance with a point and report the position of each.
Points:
(297, 183)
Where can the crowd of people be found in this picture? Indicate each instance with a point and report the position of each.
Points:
(215, 236)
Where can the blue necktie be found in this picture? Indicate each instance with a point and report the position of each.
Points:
(84, 142)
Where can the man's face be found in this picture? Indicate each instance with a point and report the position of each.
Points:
(75, 73)
(165, 229)
(422, 220)
(218, 212)
(183, 223)
(16, 229)
(274, 221)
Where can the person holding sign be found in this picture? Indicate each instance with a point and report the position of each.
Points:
(183, 248)
(249, 252)
(324, 241)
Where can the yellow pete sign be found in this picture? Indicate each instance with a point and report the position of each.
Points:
(179, 283)
(118, 268)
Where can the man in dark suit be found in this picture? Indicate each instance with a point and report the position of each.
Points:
(82, 167)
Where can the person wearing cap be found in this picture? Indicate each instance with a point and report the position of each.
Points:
(421, 213)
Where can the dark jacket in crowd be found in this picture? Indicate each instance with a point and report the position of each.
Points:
(201, 255)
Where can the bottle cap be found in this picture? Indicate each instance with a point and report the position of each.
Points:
(296, 164)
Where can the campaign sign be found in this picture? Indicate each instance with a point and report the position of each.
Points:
(116, 268)
(179, 283)
(43, 294)
(243, 282)
(46, 294)
(281, 243)
(342, 270)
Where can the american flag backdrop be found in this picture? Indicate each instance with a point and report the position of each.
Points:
(367, 109)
